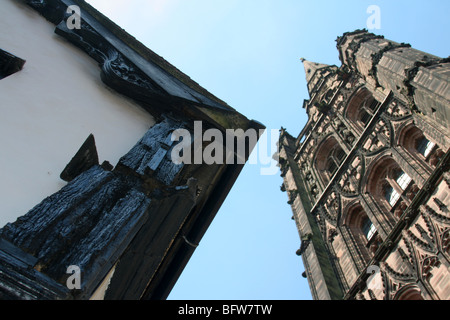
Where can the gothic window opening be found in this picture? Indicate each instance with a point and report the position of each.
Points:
(403, 180)
(331, 167)
(369, 229)
(367, 110)
(9, 64)
(361, 108)
(397, 183)
(391, 195)
(409, 292)
(425, 146)
(364, 117)
(329, 158)
(420, 147)
(335, 159)
(362, 230)
(390, 187)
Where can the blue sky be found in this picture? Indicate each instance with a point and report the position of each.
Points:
(247, 53)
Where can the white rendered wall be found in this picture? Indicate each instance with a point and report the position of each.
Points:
(48, 109)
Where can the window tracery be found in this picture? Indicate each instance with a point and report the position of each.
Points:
(420, 147)
(361, 108)
(362, 230)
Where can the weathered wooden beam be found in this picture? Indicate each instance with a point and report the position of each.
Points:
(87, 224)
(20, 281)
(85, 158)
(92, 220)
(138, 266)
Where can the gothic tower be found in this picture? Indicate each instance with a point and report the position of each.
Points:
(367, 177)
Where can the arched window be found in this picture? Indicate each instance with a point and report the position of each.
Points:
(388, 184)
(332, 167)
(364, 117)
(425, 146)
(329, 158)
(395, 186)
(420, 147)
(409, 293)
(335, 158)
(361, 108)
(368, 229)
(362, 230)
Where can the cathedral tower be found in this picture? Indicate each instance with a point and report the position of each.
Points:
(367, 177)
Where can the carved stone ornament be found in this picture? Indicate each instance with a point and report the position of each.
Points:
(397, 110)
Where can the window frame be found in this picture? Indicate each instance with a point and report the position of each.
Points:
(401, 181)
(369, 230)
(425, 147)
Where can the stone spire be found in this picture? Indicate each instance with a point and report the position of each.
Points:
(311, 68)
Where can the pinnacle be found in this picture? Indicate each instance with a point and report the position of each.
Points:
(311, 68)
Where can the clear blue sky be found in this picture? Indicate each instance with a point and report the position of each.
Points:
(247, 53)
